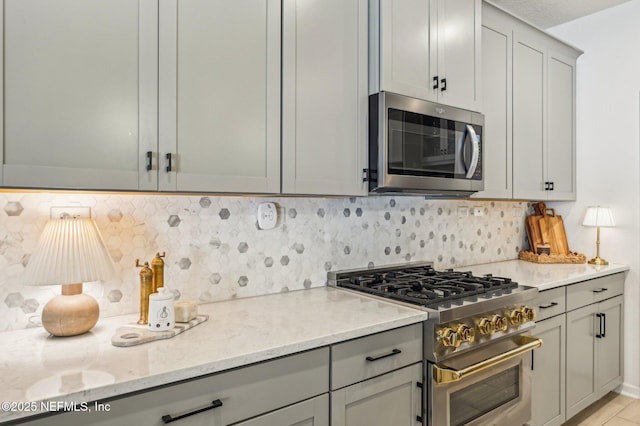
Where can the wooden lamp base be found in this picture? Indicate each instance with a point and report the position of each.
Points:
(70, 313)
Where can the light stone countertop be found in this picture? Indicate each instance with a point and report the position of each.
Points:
(38, 367)
(544, 276)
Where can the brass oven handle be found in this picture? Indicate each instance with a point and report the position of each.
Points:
(442, 375)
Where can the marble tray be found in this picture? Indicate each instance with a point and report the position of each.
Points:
(131, 336)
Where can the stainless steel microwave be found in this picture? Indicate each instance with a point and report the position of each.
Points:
(421, 147)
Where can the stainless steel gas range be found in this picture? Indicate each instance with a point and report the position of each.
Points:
(477, 346)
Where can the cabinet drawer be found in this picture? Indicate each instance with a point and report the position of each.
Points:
(592, 291)
(550, 303)
(373, 355)
(244, 393)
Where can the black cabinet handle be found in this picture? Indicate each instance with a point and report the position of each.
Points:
(444, 84)
(551, 183)
(149, 160)
(376, 358)
(435, 82)
(603, 317)
(550, 305)
(547, 186)
(600, 290)
(168, 418)
(168, 156)
(600, 333)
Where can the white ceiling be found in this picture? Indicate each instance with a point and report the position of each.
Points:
(548, 13)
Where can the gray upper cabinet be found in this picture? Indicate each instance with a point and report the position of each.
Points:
(324, 96)
(79, 90)
(497, 38)
(219, 96)
(529, 107)
(544, 82)
(427, 49)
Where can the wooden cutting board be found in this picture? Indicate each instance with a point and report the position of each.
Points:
(533, 231)
(552, 231)
(533, 227)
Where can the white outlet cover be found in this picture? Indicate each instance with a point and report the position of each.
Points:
(267, 215)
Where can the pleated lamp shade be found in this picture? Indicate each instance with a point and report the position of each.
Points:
(598, 216)
(70, 252)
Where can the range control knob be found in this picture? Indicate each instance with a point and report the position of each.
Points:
(516, 317)
(499, 323)
(449, 337)
(485, 326)
(466, 333)
(529, 314)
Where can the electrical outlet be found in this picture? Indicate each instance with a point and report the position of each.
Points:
(73, 211)
(267, 215)
(477, 211)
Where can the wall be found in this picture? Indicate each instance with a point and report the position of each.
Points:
(214, 250)
(608, 155)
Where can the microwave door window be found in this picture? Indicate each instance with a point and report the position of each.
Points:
(420, 145)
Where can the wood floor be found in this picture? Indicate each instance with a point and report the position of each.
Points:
(612, 410)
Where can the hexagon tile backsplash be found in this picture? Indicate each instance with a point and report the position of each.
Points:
(215, 251)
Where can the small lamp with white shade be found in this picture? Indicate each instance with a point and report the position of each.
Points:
(70, 252)
(598, 217)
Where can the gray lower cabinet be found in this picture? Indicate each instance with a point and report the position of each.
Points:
(594, 340)
(581, 359)
(594, 353)
(376, 380)
(313, 412)
(391, 399)
(548, 393)
(287, 391)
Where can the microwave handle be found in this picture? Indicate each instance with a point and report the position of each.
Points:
(475, 151)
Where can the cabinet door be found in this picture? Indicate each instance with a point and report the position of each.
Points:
(391, 399)
(404, 48)
(219, 106)
(610, 347)
(497, 36)
(80, 90)
(561, 148)
(529, 63)
(548, 390)
(325, 99)
(581, 359)
(458, 48)
(314, 412)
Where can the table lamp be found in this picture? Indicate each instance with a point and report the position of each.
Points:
(70, 252)
(599, 217)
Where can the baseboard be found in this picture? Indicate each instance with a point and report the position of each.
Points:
(628, 390)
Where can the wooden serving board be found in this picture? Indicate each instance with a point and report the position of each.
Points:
(532, 225)
(533, 231)
(552, 230)
(131, 336)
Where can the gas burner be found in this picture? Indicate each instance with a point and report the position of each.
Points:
(424, 286)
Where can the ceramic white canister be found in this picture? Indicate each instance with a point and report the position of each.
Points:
(161, 310)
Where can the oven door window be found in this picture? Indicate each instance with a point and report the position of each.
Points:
(482, 397)
(421, 145)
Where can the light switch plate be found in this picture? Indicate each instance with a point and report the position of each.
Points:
(267, 215)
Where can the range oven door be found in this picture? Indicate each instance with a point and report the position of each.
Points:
(486, 386)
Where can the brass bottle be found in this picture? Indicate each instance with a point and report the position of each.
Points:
(157, 266)
(146, 288)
